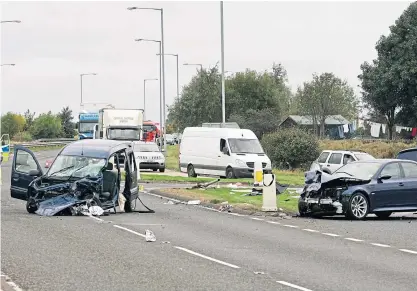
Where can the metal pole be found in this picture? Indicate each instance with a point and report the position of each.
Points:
(163, 75)
(81, 83)
(222, 60)
(178, 79)
(160, 97)
(144, 99)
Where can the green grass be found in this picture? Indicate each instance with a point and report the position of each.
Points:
(236, 199)
(284, 177)
(290, 178)
(46, 148)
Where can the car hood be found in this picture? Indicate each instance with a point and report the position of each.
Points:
(317, 179)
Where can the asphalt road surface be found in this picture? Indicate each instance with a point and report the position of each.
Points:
(201, 249)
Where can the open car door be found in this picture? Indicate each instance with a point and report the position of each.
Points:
(25, 169)
(133, 173)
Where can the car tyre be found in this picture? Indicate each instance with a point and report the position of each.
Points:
(230, 174)
(358, 207)
(162, 170)
(128, 206)
(383, 214)
(191, 172)
(31, 206)
(302, 209)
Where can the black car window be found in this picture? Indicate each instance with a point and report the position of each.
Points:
(408, 155)
(410, 170)
(392, 170)
(323, 157)
(335, 158)
(25, 162)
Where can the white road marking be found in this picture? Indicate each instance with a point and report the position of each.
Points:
(330, 234)
(207, 258)
(353, 239)
(129, 230)
(11, 283)
(273, 222)
(293, 286)
(409, 251)
(380, 245)
(236, 214)
(96, 218)
(289, 225)
(256, 218)
(310, 230)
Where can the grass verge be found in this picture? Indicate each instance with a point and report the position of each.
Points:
(236, 199)
(283, 177)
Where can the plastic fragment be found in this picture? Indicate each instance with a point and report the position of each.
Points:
(150, 236)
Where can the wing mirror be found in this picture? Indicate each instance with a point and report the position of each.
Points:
(34, 173)
(384, 177)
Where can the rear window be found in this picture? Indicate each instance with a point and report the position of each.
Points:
(408, 155)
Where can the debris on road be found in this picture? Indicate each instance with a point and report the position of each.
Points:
(225, 206)
(166, 242)
(122, 201)
(194, 202)
(96, 210)
(259, 273)
(170, 202)
(205, 185)
(150, 236)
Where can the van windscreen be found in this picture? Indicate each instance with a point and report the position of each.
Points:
(245, 146)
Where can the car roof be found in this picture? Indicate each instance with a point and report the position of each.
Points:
(378, 161)
(408, 150)
(94, 148)
(347, 151)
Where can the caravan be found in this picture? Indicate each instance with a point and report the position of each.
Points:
(224, 152)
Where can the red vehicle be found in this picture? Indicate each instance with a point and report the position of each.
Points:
(151, 131)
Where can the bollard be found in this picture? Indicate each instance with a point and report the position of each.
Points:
(257, 173)
(269, 196)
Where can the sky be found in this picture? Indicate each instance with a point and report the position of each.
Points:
(57, 41)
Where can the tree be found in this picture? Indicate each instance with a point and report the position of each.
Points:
(326, 95)
(29, 117)
(66, 121)
(12, 123)
(46, 125)
(389, 83)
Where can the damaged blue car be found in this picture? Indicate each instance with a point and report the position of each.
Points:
(84, 174)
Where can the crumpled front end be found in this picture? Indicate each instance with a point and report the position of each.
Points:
(323, 193)
(48, 197)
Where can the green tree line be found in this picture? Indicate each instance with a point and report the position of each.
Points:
(26, 127)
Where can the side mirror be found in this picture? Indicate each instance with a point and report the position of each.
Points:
(34, 173)
(384, 177)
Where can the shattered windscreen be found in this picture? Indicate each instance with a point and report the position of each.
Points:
(364, 171)
(245, 146)
(76, 166)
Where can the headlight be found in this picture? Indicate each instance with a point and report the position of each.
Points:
(240, 162)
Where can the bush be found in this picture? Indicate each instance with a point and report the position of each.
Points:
(23, 136)
(378, 149)
(291, 148)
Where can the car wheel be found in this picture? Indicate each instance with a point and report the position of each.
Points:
(302, 209)
(230, 174)
(130, 205)
(31, 206)
(191, 172)
(383, 214)
(162, 170)
(358, 207)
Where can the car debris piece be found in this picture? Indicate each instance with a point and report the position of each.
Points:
(150, 236)
(96, 210)
(259, 273)
(166, 242)
(194, 202)
(170, 202)
(122, 201)
(205, 185)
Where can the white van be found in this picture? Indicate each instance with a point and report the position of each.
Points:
(224, 152)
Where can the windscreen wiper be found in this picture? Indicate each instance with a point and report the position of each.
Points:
(62, 170)
(79, 168)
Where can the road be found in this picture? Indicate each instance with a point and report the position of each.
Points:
(201, 249)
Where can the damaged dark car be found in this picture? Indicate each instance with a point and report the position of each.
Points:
(380, 186)
(85, 174)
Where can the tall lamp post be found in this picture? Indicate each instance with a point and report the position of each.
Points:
(81, 84)
(178, 74)
(162, 60)
(144, 95)
(222, 60)
(8, 65)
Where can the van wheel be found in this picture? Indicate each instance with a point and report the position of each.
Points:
(31, 206)
(191, 172)
(230, 174)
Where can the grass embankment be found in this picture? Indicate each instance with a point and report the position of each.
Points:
(236, 199)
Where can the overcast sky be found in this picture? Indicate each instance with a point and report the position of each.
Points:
(57, 41)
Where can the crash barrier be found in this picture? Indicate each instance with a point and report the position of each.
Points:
(269, 193)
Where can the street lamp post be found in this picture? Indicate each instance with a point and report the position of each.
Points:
(178, 70)
(222, 60)
(81, 84)
(161, 116)
(200, 65)
(8, 65)
(10, 21)
(162, 61)
(144, 95)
